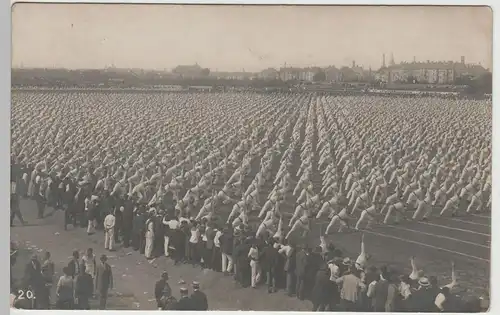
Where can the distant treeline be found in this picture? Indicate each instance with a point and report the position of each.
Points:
(110, 78)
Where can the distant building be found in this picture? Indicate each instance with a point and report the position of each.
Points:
(232, 75)
(348, 75)
(332, 74)
(428, 72)
(287, 74)
(268, 74)
(307, 74)
(188, 71)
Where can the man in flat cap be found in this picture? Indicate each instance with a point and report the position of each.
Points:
(198, 299)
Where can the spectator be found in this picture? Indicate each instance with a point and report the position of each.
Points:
(226, 243)
(15, 210)
(48, 272)
(253, 254)
(103, 281)
(217, 253)
(198, 298)
(301, 264)
(65, 291)
(88, 260)
(269, 261)
(208, 246)
(33, 279)
(109, 230)
(378, 291)
(74, 264)
(84, 289)
(184, 303)
(288, 251)
(194, 244)
(392, 294)
(162, 289)
(322, 291)
(423, 300)
(352, 286)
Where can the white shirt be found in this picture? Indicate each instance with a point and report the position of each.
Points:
(89, 263)
(440, 299)
(334, 271)
(253, 253)
(173, 224)
(195, 236)
(217, 238)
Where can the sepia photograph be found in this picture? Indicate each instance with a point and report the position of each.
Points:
(251, 157)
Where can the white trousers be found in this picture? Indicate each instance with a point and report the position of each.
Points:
(227, 263)
(109, 238)
(148, 252)
(256, 272)
(165, 245)
(91, 226)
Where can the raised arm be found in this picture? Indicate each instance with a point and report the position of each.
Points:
(453, 277)
(414, 270)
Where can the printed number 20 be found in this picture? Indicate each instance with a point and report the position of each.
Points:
(29, 294)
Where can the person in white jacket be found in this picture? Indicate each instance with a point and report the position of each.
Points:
(150, 235)
(109, 231)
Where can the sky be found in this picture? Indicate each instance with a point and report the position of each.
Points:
(249, 38)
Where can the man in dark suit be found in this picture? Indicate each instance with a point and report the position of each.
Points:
(269, 262)
(103, 281)
(128, 222)
(83, 289)
(289, 266)
(198, 299)
(15, 210)
(74, 264)
(301, 261)
(184, 303)
(162, 289)
(33, 278)
(322, 290)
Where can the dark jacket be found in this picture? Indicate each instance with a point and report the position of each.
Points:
(103, 278)
(269, 258)
(84, 285)
(423, 300)
(323, 290)
(33, 275)
(138, 224)
(128, 215)
(226, 243)
(199, 301)
(379, 298)
(184, 304)
(74, 266)
(14, 202)
(301, 262)
(162, 288)
(290, 262)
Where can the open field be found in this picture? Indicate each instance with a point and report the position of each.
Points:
(71, 128)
